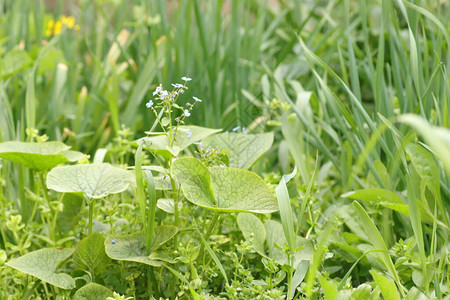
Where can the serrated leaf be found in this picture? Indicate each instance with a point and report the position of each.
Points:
(132, 247)
(182, 140)
(42, 264)
(38, 156)
(94, 180)
(252, 228)
(223, 189)
(387, 286)
(90, 253)
(244, 149)
(92, 291)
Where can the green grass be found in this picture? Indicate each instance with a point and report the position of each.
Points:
(357, 93)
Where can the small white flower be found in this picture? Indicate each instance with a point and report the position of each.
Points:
(244, 130)
(187, 113)
(149, 104)
(164, 94)
(186, 78)
(196, 99)
(177, 120)
(189, 134)
(177, 85)
(157, 90)
(236, 128)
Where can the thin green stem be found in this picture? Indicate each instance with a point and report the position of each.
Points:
(91, 213)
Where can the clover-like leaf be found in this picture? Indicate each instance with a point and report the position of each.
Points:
(92, 291)
(186, 135)
(38, 156)
(42, 264)
(90, 253)
(94, 180)
(132, 247)
(244, 149)
(223, 189)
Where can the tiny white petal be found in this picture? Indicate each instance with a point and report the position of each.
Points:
(186, 78)
(196, 99)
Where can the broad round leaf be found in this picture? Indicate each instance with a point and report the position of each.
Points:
(244, 149)
(223, 189)
(38, 156)
(252, 228)
(90, 253)
(132, 247)
(94, 180)
(42, 264)
(92, 291)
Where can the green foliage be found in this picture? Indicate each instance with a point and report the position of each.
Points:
(132, 247)
(223, 189)
(93, 180)
(38, 156)
(42, 264)
(90, 254)
(92, 291)
(353, 95)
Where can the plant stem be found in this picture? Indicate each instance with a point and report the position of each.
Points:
(91, 213)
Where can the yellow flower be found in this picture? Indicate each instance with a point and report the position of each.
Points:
(57, 28)
(54, 28)
(49, 29)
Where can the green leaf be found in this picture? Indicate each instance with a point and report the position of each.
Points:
(252, 228)
(426, 167)
(92, 291)
(387, 286)
(244, 149)
(168, 205)
(14, 62)
(276, 241)
(42, 264)
(223, 189)
(90, 253)
(132, 247)
(376, 239)
(375, 195)
(437, 137)
(284, 202)
(94, 180)
(299, 275)
(70, 215)
(38, 156)
(329, 288)
(182, 141)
